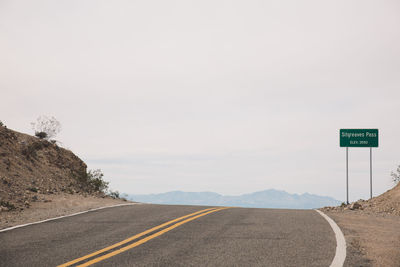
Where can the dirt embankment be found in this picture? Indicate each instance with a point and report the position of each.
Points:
(371, 228)
(34, 171)
(55, 205)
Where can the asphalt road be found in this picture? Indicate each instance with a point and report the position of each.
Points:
(228, 237)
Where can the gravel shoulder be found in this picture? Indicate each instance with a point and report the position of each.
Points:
(373, 239)
(55, 205)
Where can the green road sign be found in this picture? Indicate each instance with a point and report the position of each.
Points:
(359, 137)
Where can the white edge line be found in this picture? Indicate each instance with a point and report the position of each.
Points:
(69, 215)
(340, 255)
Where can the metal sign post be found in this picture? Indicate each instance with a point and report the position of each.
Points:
(358, 138)
(370, 170)
(347, 175)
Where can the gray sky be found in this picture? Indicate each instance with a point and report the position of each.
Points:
(224, 96)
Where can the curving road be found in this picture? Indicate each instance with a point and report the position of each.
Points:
(200, 236)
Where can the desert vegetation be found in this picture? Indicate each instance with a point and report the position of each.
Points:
(396, 175)
(93, 181)
(46, 127)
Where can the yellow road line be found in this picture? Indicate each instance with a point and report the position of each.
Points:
(131, 238)
(144, 240)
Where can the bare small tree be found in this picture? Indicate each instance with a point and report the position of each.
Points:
(46, 127)
(396, 176)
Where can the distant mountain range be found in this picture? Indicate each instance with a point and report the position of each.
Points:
(263, 199)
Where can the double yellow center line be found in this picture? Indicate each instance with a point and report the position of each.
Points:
(178, 221)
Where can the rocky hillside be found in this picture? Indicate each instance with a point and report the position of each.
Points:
(31, 168)
(387, 203)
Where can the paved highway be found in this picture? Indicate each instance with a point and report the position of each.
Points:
(166, 235)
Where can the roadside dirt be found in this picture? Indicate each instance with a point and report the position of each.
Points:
(372, 229)
(55, 205)
(372, 239)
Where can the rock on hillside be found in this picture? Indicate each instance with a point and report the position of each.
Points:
(30, 167)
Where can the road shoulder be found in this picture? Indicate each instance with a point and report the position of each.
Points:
(52, 206)
(372, 239)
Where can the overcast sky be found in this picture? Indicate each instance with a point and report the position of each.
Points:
(224, 96)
